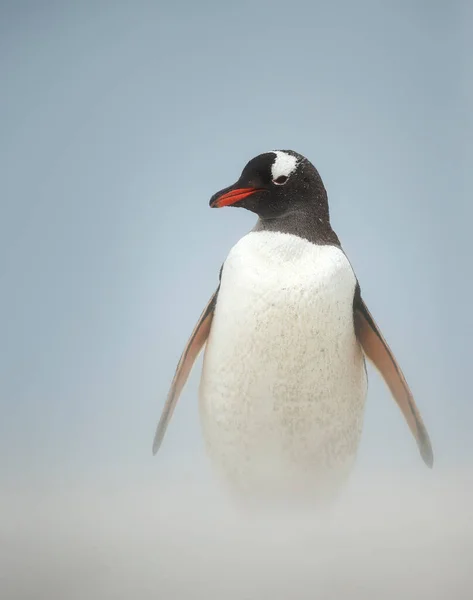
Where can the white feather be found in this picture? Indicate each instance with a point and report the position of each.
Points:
(283, 386)
(284, 164)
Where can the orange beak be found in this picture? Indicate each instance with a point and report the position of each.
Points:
(232, 196)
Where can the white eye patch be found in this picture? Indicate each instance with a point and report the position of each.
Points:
(284, 164)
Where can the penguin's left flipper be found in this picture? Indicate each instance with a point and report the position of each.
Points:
(191, 351)
(379, 353)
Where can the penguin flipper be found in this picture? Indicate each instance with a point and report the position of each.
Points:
(191, 351)
(378, 352)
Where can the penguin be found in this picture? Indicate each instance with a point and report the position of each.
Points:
(286, 334)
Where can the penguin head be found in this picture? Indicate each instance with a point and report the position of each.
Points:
(275, 184)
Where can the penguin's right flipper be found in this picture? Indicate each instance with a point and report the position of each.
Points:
(191, 351)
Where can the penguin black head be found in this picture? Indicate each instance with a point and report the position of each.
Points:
(276, 184)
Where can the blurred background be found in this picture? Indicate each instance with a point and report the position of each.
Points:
(119, 120)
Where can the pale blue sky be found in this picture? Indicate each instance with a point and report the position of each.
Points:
(119, 120)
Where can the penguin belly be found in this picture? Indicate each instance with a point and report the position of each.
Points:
(283, 384)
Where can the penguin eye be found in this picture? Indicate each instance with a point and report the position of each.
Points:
(281, 180)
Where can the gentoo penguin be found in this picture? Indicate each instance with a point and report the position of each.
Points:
(284, 383)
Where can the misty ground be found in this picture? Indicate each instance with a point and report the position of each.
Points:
(389, 536)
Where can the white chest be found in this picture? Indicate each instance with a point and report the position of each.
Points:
(283, 379)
